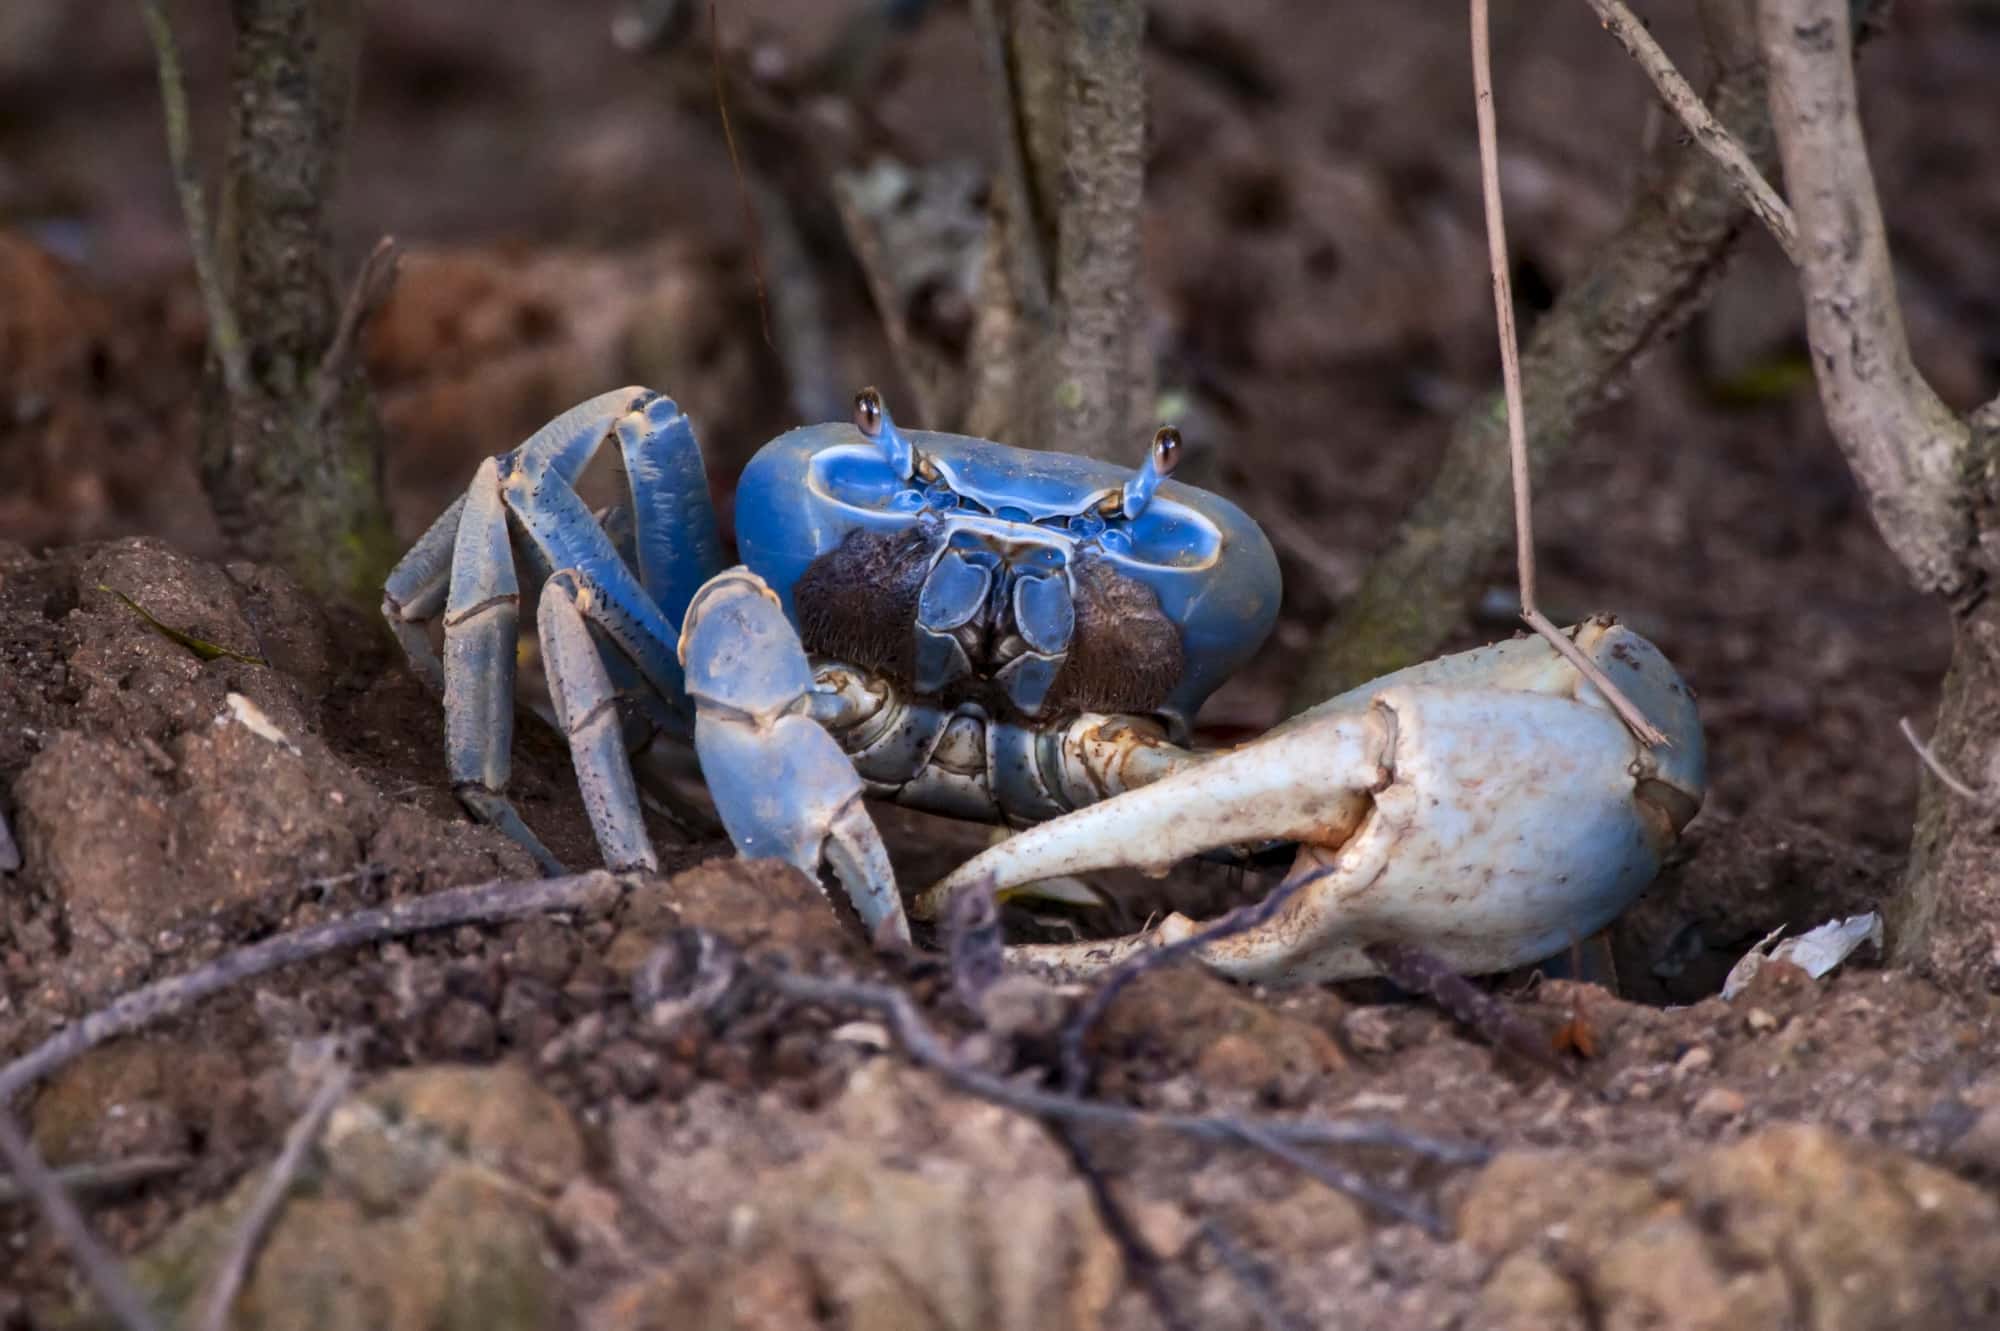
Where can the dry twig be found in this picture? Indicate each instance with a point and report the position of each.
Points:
(1416, 971)
(918, 366)
(1640, 286)
(1939, 770)
(96, 1176)
(1284, 1138)
(486, 903)
(1259, 1135)
(1057, 349)
(1075, 1068)
(234, 1268)
(222, 326)
(1140, 1260)
(1907, 448)
(1510, 368)
(975, 945)
(1250, 1277)
(1029, 275)
(100, 1268)
(371, 287)
(1713, 136)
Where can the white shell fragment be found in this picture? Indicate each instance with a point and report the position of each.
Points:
(864, 1034)
(251, 717)
(1816, 952)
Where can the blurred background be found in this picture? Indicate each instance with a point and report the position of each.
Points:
(1315, 292)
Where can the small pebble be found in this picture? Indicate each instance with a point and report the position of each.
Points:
(464, 1029)
(1369, 1030)
(1717, 1105)
(1693, 1063)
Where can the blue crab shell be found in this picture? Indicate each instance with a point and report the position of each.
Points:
(1210, 566)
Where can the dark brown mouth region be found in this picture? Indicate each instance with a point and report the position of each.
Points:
(858, 603)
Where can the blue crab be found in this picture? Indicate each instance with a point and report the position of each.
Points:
(1022, 638)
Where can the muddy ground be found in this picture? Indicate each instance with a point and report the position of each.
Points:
(536, 1140)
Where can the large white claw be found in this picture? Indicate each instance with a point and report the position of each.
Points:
(1487, 807)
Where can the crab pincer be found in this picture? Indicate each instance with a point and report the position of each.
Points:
(782, 785)
(1488, 807)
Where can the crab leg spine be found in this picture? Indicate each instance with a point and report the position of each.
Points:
(586, 703)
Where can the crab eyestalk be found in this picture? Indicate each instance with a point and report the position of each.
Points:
(871, 417)
(1160, 460)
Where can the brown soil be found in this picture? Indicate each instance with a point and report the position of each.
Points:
(1810, 1155)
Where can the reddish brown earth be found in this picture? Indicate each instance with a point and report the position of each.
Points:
(528, 1146)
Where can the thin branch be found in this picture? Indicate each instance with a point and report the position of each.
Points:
(234, 1268)
(1097, 381)
(486, 903)
(926, 1047)
(1250, 1277)
(1907, 449)
(224, 331)
(1413, 970)
(1641, 285)
(1339, 1179)
(1140, 1260)
(98, 1176)
(975, 945)
(1056, 352)
(1028, 266)
(371, 287)
(1075, 1068)
(1510, 369)
(1940, 771)
(750, 227)
(916, 365)
(1628, 712)
(1503, 302)
(1713, 136)
(100, 1269)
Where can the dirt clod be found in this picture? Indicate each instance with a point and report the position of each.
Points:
(1789, 1219)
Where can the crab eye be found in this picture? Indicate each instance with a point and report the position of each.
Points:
(871, 417)
(1160, 460)
(868, 411)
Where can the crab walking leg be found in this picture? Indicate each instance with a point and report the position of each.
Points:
(672, 542)
(586, 704)
(416, 588)
(678, 548)
(781, 783)
(567, 535)
(565, 446)
(415, 592)
(481, 633)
